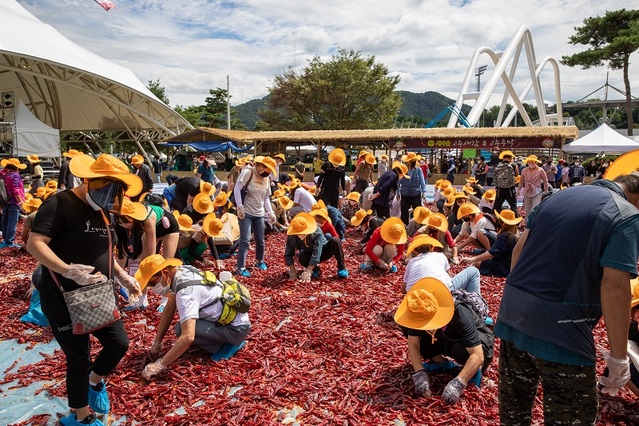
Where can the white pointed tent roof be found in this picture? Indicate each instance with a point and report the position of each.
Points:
(33, 137)
(72, 89)
(602, 139)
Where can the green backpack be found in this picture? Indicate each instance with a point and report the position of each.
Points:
(235, 296)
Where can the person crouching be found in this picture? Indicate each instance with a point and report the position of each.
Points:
(386, 246)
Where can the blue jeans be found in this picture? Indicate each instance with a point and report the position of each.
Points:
(10, 215)
(468, 280)
(257, 226)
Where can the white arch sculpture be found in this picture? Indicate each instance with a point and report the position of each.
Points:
(522, 38)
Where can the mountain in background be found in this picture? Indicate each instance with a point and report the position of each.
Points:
(417, 109)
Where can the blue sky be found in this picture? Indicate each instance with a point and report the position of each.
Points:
(192, 45)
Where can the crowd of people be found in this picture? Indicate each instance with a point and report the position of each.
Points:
(179, 246)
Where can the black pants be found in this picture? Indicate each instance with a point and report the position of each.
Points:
(330, 197)
(406, 203)
(360, 185)
(381, 211)
(509, 195)
(77, 347)
(331, 249)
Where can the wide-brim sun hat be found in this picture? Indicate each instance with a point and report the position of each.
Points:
(337, 157)
(420, 214)
(428, 305)
(281, 157)
(490, 195)
(445, 184)
(411, 156)
(370, 159)
(359, 216)
(72, 153)
(40, 192)
(212, 226)
(285, 202)
(532, 159)
(471, 180)
(422, 240)
(105, 166)
(184, 221)
(468, 189)
(323, 213)
(438, 183)
(353, 196)
(267, 162)
(151, 265)
(437, 221)
(207, 187)
(362, 152)
(31, 205)
(467, 209)
(384, 157)
(137, 159)
(14, 162)
(507, 153)
(302, 224)
(623, 165)
(460, 195)
(33, 159)
(135, 210)
(401, 167)
(222, 199)
(202, 203)
(53, 184)
(278, 193)
(508, 217)
(393, 231)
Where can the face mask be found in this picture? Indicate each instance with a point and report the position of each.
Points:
(531, 165)
(576, 163)
(465, 218)
(160, 290)
(265, 174)
(103, 194)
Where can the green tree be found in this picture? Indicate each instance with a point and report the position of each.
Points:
(613, 38)
(158, 90)
(348, 92)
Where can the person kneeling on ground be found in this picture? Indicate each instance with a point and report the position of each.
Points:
(386, 246)
(205, 320)
(304, 235)
(426, 310)
(475, 222)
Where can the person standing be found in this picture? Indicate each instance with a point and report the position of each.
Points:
(481, 171)
(450, 170)
(533, 181)
(143, 172)
(15, 192)
(73, 240)
(577, 173)
(504, 180)
(317, 165)
(386, 185)
(382, 165)
(412, 187)
(66, 180)
(205, 169)
(37, 174)
(364, 173)
(545, 321)
(332, 178)
(300, 169)
(157, 168)
(251, 210)
(550, 169)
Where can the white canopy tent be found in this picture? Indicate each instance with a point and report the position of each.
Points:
(72, 89)
(602, 139)
(33, 137)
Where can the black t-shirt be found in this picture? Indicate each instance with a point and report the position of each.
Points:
(78, 234)
(460, 329)
(332, 178)
(187, 186)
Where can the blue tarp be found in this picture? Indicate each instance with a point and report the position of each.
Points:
(213, 146)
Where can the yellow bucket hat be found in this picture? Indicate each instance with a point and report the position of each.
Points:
(212, 226)
(353, 196)
(151, 265)
(134, 210)
(302, 224)
(393, 231)
(285, 202)
(137, 159)
(337, 157)
(184, 221)
(422, 240)
(14, 162)
(72, 153)
(437, 221)
(508, 217)
(490, 195)
(467, 209)
(420, 214)
(428, 305)
(31, 205)
(202, 203)
(359, 216)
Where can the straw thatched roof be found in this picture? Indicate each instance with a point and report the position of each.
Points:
(372, 135)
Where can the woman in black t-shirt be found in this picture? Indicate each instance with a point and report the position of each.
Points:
(73, 239)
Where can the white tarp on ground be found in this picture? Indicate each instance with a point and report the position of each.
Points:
(33, 136)
(602, 139)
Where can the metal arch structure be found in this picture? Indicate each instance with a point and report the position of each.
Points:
(85, 96)
(521, 40)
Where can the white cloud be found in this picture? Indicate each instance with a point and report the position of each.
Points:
(191, 45)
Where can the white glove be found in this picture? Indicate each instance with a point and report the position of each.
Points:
(131, 284)
(153, 369)
(306, 276)
(240, 212)
(618, 374)
(82, 275)
(370, 197)
(155, 348)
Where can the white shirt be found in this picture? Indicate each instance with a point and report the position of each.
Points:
(190, 299)
(304, 198)
(473, 227)
(433, 265)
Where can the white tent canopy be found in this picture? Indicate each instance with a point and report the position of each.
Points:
(602, 139)
(33, 137)
(72, 89)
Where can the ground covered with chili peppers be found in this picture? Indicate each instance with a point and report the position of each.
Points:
(327, 352)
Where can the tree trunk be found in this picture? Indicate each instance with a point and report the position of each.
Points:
(626, 81)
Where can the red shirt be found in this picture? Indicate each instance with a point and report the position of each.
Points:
(377, 240)
(328, 228)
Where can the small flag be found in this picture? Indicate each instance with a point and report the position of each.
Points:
(106, 5)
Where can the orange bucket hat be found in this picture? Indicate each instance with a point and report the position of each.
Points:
(132, 209)
(467, 209)
(302, 224)
(428, 305)
(359, 216)
(151, 265)
(422, 240)
(86, 167)
(508, 217)
(393, 231)
(202, 203)
(184, 221)
(438, 221)
(337, 157)
(212, 226)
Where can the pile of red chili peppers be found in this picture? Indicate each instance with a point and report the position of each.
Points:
(327, 352)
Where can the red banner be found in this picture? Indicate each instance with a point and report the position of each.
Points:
(480, 143)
